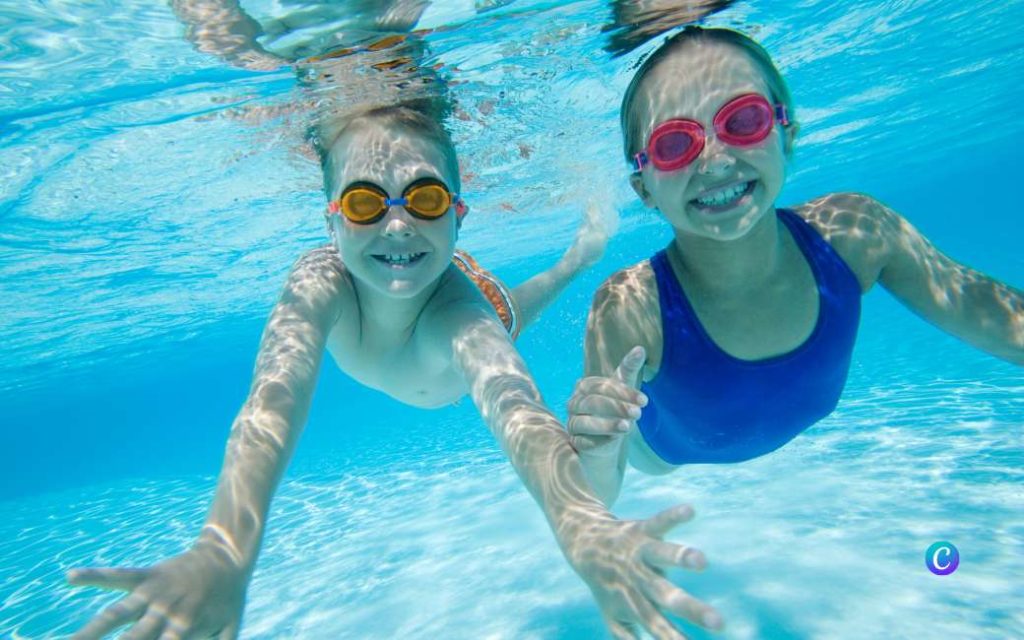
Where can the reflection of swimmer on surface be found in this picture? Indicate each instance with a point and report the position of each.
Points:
(740, 332)
(386, 301)
(309, 29)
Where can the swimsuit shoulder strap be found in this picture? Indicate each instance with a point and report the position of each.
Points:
(824, 259)
(680, 326)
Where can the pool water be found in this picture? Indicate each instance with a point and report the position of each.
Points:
(153, 198)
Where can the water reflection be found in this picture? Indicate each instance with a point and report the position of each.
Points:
(635, 22)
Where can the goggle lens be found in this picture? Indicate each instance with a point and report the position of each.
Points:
(362, 204)
(745, 121)
(429, 201)
(672, 145)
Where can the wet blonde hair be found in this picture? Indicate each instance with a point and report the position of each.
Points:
(776, 84)
(423, 120)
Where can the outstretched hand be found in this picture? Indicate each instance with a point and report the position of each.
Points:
(623, 563)
(603, 409)
(198, 594)
(591, 237)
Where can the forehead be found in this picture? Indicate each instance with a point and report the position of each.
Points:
(391, 156)
(695, 80)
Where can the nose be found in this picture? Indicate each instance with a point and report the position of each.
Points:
(715, 159)
(397, 224)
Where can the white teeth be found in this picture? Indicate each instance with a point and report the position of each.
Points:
(399, 258)
(723, 196)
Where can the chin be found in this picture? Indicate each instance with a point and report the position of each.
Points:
(733, 225)
(403, 288)
(741, 226)
(408, 285)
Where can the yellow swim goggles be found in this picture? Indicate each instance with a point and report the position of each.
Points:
(366, 203)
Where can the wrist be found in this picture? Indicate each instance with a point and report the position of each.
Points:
(218, 544)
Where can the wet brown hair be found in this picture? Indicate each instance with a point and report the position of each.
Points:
(693, 33)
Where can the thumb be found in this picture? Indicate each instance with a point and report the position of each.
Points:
(632, 363)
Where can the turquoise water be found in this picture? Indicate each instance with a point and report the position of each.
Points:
(153, 198)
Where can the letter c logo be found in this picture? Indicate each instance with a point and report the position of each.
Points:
(942, 558)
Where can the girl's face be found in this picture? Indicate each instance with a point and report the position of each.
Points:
(726, 190)
(399, 255)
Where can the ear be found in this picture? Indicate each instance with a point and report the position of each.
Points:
(636, 180)
(789, 135)
(461, 211)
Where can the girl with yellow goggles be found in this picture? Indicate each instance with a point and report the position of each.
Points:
(366, 203)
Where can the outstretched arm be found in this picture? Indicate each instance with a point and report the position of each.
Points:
(223, 29)
(534, 295)
(962, 301)
(202, 590)
(264, 434)
(622, 562)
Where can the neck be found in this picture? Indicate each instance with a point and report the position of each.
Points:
(389, 314)
(734, 266)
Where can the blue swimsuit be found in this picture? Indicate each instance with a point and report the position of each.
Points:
(707, 406)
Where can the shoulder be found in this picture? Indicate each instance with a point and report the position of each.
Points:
(858, 227)
(625, 313)
(624, 290)
(318, 271)
(317, 282)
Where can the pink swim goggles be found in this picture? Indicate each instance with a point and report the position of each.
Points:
(742, 122)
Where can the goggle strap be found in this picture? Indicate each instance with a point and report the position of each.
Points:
(781, 115)
(640, 160)
(333, 207)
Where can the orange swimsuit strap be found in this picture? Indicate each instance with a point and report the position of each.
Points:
(493, 289)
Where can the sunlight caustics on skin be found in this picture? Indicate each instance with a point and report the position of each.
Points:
(993, 309)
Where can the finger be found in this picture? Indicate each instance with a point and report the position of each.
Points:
(107, 578)
(603, 407)
(622, 630)
(147, 628)
(668, 597)
(667, 554)
(610, 386)
(632, 363)
(653, 620)
(173, 630)
(583, 425)
(120, 613)
(668, 519)
(588, 443)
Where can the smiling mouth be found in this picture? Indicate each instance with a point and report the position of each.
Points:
(398, 259)
(724, 198)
